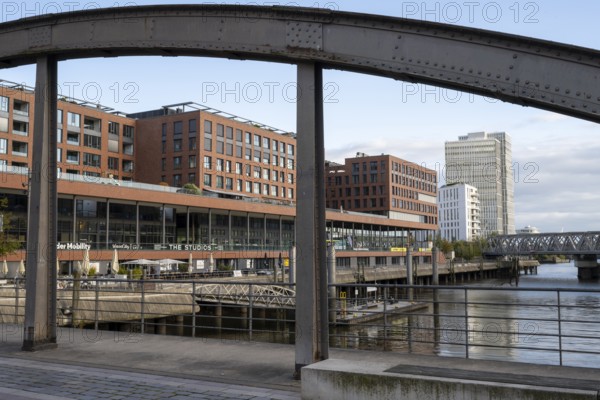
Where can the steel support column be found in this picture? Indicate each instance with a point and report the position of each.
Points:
(312, 329)
(40, 306)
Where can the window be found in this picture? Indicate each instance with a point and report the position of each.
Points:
(176, 144)
(274, 176)
(207, 162)
(59, 135)
(290, 149)
(290, 193)
(192, 126)
(72, 157)
(257, 172)
(208, 144)
(208, 127)
(256, 140)
(274, 190)
(20, 107)
(192, 143)
(266, 143)
(238, 151)
(176, 162)
(248, 155)
(177, 128)
(219, 182)
(275, 160)
(208, 180)
(59, 116)
(219, 164)
(266, 158)
(95, 142)
(192, 162)
(220, 147)
(192, 177)
(256, 187)
(282, 162)
(4, 104)
(128, 149)
(290, 178)
(257, 156)
(91, 160)
(177, 180)
(163, 164)
(164, 132)
(228, 166)
(238, 135)
(164, 147)
(113, 128)
(58, 155)
(220, 130)
(229, 183)
(265, 189)
(266, 174)
(281, 147)
(3, 124)
(248, 187)
(128, 131)
(290, 163)
(3, 146)
(229, 131)
(238, 168)
(229, 149)
(74, 119)
(238, 185)
(275, 145)
(113, 163)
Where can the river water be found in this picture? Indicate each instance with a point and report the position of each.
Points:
(503, 323)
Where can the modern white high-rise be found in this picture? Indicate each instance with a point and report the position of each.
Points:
(458, 207)
(484, 160)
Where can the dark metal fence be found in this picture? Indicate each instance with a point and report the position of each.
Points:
(542, 326)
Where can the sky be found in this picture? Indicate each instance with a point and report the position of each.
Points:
(557, 179)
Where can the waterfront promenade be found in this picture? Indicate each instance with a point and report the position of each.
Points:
(118, 365)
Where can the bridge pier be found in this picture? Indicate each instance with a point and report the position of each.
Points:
(587, 267)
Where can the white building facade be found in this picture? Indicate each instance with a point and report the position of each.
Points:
(484, 160)
(459, 212)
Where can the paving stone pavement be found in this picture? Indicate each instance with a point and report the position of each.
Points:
(25, 379)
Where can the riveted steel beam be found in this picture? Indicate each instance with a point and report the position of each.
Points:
(520, 70)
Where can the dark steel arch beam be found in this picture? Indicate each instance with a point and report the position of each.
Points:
(520, 70)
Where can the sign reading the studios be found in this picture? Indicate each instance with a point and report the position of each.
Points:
(191, 247)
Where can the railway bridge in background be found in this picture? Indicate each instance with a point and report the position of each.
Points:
(520, 70)
(584, 247)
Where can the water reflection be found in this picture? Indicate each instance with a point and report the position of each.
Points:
(502, 324)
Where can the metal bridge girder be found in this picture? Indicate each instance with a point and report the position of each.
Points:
(515, 69)
(576, 243)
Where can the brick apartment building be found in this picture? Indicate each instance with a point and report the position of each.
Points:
(383, 185)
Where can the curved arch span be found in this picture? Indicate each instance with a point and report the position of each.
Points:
(514, 69)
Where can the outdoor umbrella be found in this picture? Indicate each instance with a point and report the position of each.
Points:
(114, 265)
(85, 265)
(4, 268)
(21, 270)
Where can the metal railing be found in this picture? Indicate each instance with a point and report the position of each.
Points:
(533, 325)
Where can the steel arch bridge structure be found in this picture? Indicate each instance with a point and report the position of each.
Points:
(514, 69)
(574, 244)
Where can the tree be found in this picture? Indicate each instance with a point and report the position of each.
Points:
(8, 244)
